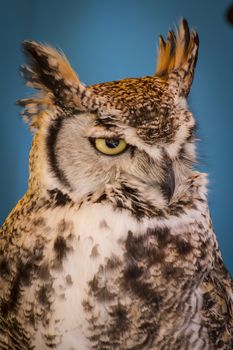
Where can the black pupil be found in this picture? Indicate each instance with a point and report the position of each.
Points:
(112, 143)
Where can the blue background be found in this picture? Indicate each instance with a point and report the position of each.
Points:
(106, 40)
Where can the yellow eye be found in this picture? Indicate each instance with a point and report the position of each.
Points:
(111, 146)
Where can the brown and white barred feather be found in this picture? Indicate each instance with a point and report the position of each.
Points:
(177, 57)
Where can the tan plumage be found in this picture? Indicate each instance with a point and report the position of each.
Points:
(178, 53)
(54, 79)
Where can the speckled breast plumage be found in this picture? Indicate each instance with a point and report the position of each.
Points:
(95, 278)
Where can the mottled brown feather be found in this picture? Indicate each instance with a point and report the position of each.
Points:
(177, 58)
(179, 51)
(49, 71)
(46, 60)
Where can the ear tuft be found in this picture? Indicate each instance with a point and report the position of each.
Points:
(47, 68)
(178, 53)
(49, 71)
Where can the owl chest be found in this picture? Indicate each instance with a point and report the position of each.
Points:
(82, 250)
(113, 277)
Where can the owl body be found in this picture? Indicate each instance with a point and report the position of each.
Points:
(112, 246)
(112, 301)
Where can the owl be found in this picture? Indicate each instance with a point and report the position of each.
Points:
(112, 246)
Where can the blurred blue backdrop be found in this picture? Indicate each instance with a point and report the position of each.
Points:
(107, 40)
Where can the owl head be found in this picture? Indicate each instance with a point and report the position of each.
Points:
(122, 139)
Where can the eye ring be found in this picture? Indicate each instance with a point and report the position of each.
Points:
(113, 146)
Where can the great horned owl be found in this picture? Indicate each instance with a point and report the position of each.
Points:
(112, 246)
